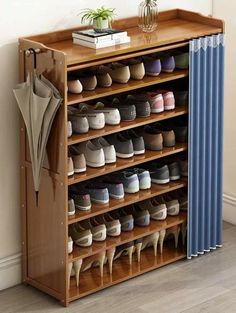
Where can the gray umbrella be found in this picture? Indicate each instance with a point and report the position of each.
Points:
(38, 101)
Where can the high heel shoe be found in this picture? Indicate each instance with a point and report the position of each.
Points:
(110, 257)
(138, 247)
(174, 230)
(161, 239)
(125, 249)
(94, 260)
(74, 270)
(70, 265)
(151, 240)
(70, 245)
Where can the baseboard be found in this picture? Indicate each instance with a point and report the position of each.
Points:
(229, 211)
(10, 271)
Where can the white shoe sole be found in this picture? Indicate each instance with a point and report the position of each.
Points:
(139, 152)
(169, 107)
(160, 181)
(91, 164)
(71, 213)
(70, 173)
(174, 177)
(100, 201)
(157, 110)
(132, 190)
(124, 156)
(83, 208)
(80, 170)
(110, 161)
(144, 187)
(117, 197)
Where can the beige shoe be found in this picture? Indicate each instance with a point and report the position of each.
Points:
(89, 82)
(152, 138)
(93, 261)
(70, 166)
(70, 245)
(99, 232)
(79, 163)
(136, 67)
(82, 238)
(75, 86)
(119, 73)
(103, 77)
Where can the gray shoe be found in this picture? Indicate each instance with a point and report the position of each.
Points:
(174, 170)
(124, 147)
(81, 199)
(127, 111)
(142, 105)
(129, 180)
(115, 189)
(141, 217)
(98, 193)
(143, 177)
(138, 142)
(80, 124)
(159, 175)
(71, 207)
(126, 220)
(109, 150)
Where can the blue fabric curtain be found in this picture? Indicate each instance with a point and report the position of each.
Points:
(205, 144)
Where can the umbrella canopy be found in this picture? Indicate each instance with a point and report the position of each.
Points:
(38, 101)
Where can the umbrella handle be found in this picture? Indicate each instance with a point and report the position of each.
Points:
(35, 57)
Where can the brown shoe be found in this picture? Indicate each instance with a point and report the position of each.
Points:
(136, 66)
(119, 73)
(152, 138)
(167, 134)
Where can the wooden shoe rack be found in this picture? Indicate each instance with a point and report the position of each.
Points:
(45, 228)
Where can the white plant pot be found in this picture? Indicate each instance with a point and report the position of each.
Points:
(100, 24)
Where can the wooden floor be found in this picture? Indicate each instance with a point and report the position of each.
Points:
(205, 284)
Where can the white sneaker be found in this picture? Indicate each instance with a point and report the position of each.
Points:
(80, 124)
(94, 156)
(109, 150)
(112, 115)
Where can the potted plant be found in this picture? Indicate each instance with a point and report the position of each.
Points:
(100, 18)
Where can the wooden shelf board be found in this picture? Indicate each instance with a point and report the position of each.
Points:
(126, 163)
(120, 88)
(90, 281)
(129, 199)
(139, 121)
(138, 232)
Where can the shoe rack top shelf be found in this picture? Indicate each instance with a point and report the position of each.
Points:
(120, 88)
(139, 121)
(174, 26)
(90, 281)
(136, 233)
(114, 204)
(121, 164)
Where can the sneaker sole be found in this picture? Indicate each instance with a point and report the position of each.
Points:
(124, 156)
(174, 177)
(152, 74)
(153, 148)
(131, 190)
(91, 164)
(110, 161)
(71, 213)
(139, 152)
(100, 201)
(80, 170)
(157, 110)
(160, 181)
(83, 208)
(116, 196)
(170, 107)
(70, 173)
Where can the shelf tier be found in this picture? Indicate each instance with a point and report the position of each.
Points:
(114, 204)
(126, 163)
(116, 88)
(138, 232)
(90, 281)
(139, 121)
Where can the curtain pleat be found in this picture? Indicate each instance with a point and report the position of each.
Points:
(205, 144)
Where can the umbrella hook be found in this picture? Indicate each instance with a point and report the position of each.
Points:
(35, 56)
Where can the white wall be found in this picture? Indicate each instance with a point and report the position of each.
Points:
(226, 10)
(17, 19)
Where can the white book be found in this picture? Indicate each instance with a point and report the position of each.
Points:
(122, 40)
(92, 36)
(92, 45)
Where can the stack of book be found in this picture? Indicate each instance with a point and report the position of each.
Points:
(91, 39)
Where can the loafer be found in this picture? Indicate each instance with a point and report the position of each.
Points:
(96, 120)
(127, 112)
(71, 207)
(182, 60)
(141, 103)
(119, 72)
(81, 238)
(169, 99)
(79, 162)
(159, 174)
(124, 147)
(103, 77)
(94, 155)
(109, 150)
(70, 166)
(129, 180)
(181, 98)
(89, 82)
(74, 86)
(112, 115)
(115, 188)
(168, 64)
(156, 102)
(136, 67)
(152, 138)
(81, 199)
(143, 177)
(137, 141)
(98, 193)
(69, 129)
(152, 66)
(168, 134)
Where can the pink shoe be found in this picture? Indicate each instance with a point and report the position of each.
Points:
(156, 101)
(169, 99)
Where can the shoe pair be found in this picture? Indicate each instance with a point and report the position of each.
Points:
(156, 136)
(163, 174)
(127, 144)
(76, 164)
(155, 64)
(161, 100)
(133, 180)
